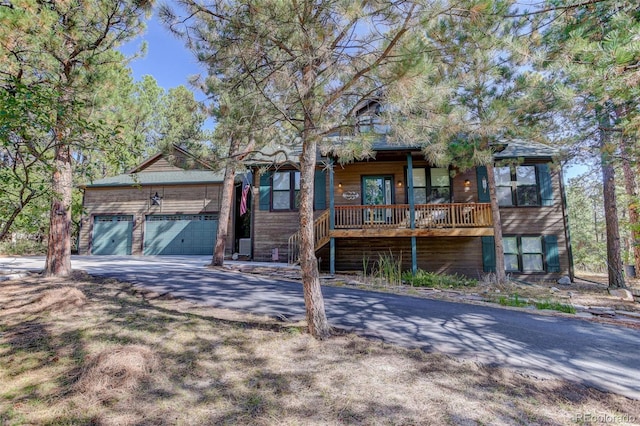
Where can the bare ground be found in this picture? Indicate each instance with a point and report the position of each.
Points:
(90, 351)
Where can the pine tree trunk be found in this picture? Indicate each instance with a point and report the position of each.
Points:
(632, 195)
(501, 275)
(314, 302)
(58, 262)
(225, 213)
(225, 205)
(614, 260)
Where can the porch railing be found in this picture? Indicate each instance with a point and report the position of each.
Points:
(321, 237)
(427, 216)
(451, 215)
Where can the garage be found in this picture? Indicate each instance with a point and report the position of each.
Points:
(112, 235)
(180, 234)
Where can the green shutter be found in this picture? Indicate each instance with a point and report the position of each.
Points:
(546, 190)
(265, 191)
(483, 194)
(488, 255)
(551, 253)
(320, 188)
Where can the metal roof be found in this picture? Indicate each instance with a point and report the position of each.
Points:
(518, 148)
(515, 148)
(160, 178)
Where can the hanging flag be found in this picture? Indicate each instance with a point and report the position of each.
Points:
(243, 199)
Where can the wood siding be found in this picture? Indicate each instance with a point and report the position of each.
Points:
(162, 165)
(451, 255)
(136, 201)
(176, 161)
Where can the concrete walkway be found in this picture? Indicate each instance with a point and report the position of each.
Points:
(599, 355)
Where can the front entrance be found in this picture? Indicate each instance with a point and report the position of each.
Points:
(377, 191)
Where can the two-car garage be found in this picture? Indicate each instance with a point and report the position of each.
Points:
(167, 205)
(175, 234)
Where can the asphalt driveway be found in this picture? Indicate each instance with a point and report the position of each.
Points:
(600, 355)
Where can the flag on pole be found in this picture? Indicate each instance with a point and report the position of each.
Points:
(243, 199)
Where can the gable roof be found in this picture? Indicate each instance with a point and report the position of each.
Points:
(199, 173)
(175, 150)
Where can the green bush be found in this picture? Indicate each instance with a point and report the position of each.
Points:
(434, 280)
(23, 248)
(512, 301)
(556, 306)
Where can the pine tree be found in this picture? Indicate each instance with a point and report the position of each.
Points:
(313, 63)
(594, 48)
(67, 47)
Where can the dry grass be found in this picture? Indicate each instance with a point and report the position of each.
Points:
(84, 351)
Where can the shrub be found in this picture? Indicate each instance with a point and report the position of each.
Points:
(556, 306)
(23, 247)
(512, 301)
(434, 280)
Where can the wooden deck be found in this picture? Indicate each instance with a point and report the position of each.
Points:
(394, 221)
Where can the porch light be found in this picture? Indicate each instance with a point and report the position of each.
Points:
(467, 183)
(399, 183)
(339, 184)
(155, 200)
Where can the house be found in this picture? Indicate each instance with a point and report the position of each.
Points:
(433, 218)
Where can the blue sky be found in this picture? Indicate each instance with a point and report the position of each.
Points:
(167, 59)
(171, 64)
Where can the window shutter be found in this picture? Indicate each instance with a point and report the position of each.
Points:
(483, 194)
(551, 253)
(320, 191)
(488, 255)
(546, 189)
(265, 191)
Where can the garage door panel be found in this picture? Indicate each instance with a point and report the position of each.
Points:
(112, 235)
(180, 234)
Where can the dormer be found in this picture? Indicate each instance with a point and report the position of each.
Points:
(368, 118)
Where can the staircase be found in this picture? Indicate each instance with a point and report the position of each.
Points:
(320, 233)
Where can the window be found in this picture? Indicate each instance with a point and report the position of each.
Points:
(517, 186)
(431, 185)
(286, 190)
(440, 185)
(523, 254)
(419, 186)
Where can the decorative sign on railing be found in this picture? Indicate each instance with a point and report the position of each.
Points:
(351, 195)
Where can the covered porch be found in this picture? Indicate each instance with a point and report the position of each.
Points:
(357, 214)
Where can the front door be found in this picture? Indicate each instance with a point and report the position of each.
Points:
(377, 191)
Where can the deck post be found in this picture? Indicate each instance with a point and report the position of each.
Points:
(412, 214)
(332, 222)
